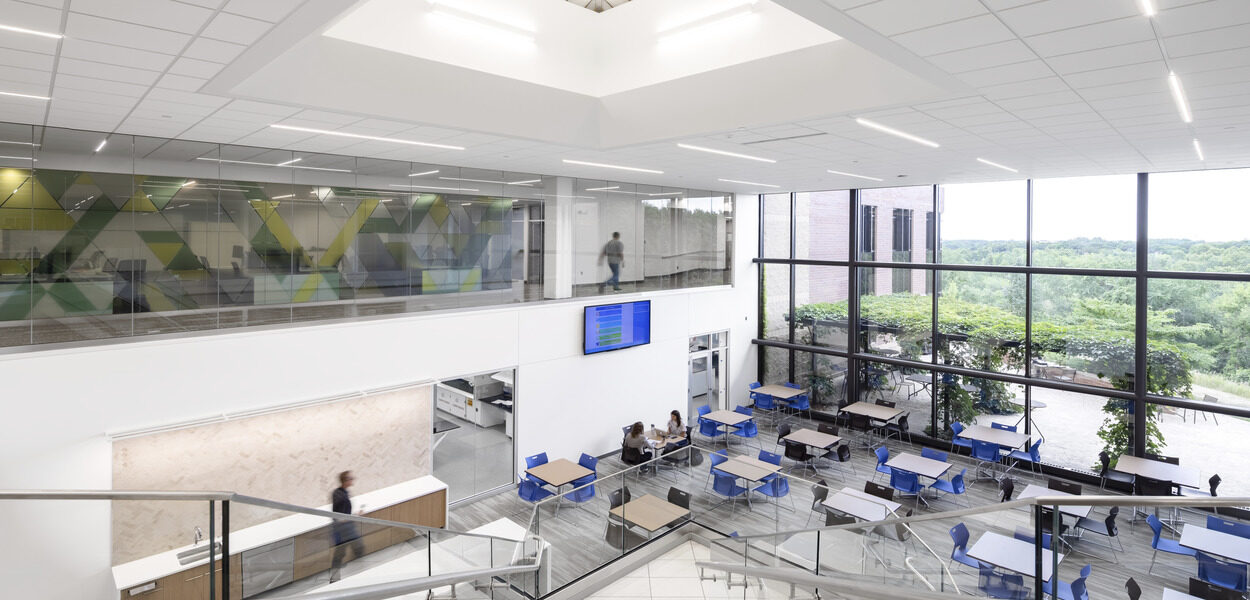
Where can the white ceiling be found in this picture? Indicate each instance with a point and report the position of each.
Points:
(1050, 87)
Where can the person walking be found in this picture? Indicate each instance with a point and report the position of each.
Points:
(345, 532)
(614, 251)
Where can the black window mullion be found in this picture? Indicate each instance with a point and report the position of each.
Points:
(793, 230)
(1140, 378)
(759, 315)
(1028, 307)
(852, 303)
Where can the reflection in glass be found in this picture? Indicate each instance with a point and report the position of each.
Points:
(1083, 329)
(776, 301)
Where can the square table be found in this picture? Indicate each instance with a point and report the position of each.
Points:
(558, 473)
(1171, 594)
(1034, 491)
(650, 512)
(925, 467)
(872, 411)
(1011, 554)
(861, 505)
(1156, 469)
(728, 418)
(661, 439)
(813, 438)
(750, 469)
(1007, 439)
(779, 392)
(1218, 543)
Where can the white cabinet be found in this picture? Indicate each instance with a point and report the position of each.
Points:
(453, 401)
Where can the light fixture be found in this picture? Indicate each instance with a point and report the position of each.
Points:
(994, 164)
(1147, 7)
(19, 143)
(1178, 94)
(358, 136)
(725, 10)
(189, 183)
(1198, 149)
(725, 153)
(488, 181)
(55, 36)
(895, 132)
(17, 95)
(289, 162)
(423, 173)
(432, 187)
(607, 166)
(450, 14)
(19, 158)
(852, 175)
(101, 146)
(768, 185)
(283, 197)
(466, 204)
(601, 189)
(527, 181)
(667, 194)
(261, 164)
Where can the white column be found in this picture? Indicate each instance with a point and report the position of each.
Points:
(558, 245)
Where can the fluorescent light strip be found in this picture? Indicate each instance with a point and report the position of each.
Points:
(20, 158)
(189, 183)
(1198, 149)
(358, 136)
(17, 95)
(600, 189)
(994, 164)
(283, 197)
(725, 153)
(433, 187)
(769, 185)
(422, 174)
(55, 36)
(895, 132)
(289, 162)
(101, 146)
(607, 166)
(853, 175)
(19, 143)
(1178, 95)
(527, 181)
(489, 181)
(667, 194)
(1147, 8)
(261, 164)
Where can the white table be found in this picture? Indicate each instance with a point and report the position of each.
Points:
(1171, 594)
(1218, 543)
(1035, 491)
(728, 419)
(750, 469)
(779, 392)
(925, 467)
(815, 439)
(1156, 469)
(1014, 555)
(876, 412)
(1002, 437)
(861, 505)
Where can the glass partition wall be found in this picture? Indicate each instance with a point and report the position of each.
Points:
(109, 236)
(1033, 304)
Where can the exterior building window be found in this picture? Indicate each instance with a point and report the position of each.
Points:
(902, 250)
(867, 248)
(930, 237)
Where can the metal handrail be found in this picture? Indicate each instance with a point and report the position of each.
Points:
(391, 589)
(853, 589)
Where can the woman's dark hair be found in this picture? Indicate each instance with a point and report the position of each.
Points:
(677, 417)
(636, 430)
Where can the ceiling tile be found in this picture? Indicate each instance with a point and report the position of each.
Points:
(30, 16)
(68, 81)
(1211, 61)
(72, 66)
(1124, 74)
(269, 10)
(233, 28)
(1103, 58)
(891, 17)
(180, 82)
(87, 27)
(161, 14)
(115, 55)
(1024, 88)
(26, 60)
(1203, 16)
(968, 33)
(981, 57)
(1092, 37)
(28, 76)
(213, 50)
(1034, 69)
(1053, 15)
(195, 68)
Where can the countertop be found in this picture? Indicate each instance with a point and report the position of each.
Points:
(138, 572)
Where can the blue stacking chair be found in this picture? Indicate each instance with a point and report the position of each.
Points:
(747, 430)
(716, 458)
(955, 486)
(793, 386)
(956, 441)
(985, 453)
(1164, 544)
(710, 429)
(583, 492)
(907, 483)
(999, 585)
(771, 458)
(534, 461)
(776, 488)
(1033, 457)
(1229, 527)
(532, 492)
(883, 455)
(1075, 590)
(591, 463)
(959, 554)
(1003, 426)
(1231, 575)
(934, 454)
(703, 411)
(727, 486)
(801, 403)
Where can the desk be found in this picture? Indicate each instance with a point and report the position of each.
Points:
(728, 418)
(1156, 469)
(861, 505)
(1218, 543)
(650, 513)
(1002, 437)
(925, 467)
(1035, 491)
(1011, 554)
(813, 438)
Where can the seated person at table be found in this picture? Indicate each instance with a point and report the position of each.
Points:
(636, 439)
(675, 427)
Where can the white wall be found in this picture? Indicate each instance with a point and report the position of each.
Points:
(61, 403)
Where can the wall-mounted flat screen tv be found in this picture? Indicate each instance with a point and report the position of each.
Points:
(616, 326)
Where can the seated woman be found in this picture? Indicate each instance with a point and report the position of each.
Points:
(677, 429)
(636, 440)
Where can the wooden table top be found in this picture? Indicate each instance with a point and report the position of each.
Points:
(1002, 437)
(860, 505)
(748, 468)
(873, 411)
(777, 391)
(926, 467)
(1035, 491)
(559, 471)
(1157, 469)
(727, 417)
(812, 438)
(1011, 554)
(650, 512)
(660, 439)
(1223, 545)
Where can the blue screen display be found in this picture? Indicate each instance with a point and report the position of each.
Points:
(615, 326)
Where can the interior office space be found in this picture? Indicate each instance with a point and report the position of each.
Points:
(248, 245)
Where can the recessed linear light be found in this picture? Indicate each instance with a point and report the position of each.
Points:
(853, 175)
(188, 184)
(1147, 7)
(31, 96)
(101, 146)
(261, 164)
(994, 164)
(527, 181)
(568, 161)
(601, 189)
(1198, 149)
(55, 36)
(358, 136)
(768, 185)
(423, 173)
(725, 153)
(289, 162)
(487, 181)
(20, 158)
(433, 187)
(895, 132)
(19, 143)
(1178, 95)
(667, 194)
(283, 197)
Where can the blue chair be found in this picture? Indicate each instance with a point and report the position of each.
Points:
(985, 453)
(1238, 529)
(1163, 544)
(716, 458)
(1003, 426)
(727, 486)
(998, 585)
(744, 410)
(1075, 590)
(959, 554)
(532, 492)
(956, 441)
(776, 488)
(747, 430)
(754, 385)
(883, 455)
(955, 486)
(934, 454)
(1027, 536)
(710, 429)
(1231, 575)
(801, 403)
(1033, 457)
(591, 463)
(702, 411)
(772, 458)
(793, 386)
(534, 461)
(907, 483)
(582, 493)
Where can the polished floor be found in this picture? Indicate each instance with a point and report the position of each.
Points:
(471, 459)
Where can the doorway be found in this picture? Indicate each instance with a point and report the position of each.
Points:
(706, 370)
(473, 433)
